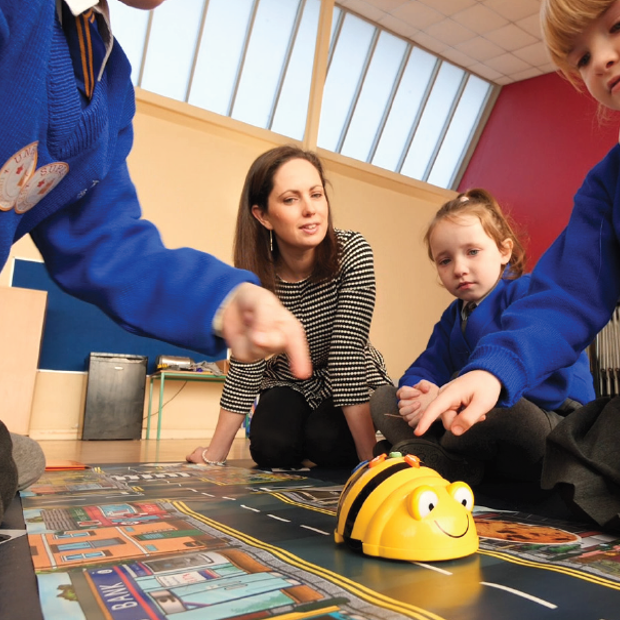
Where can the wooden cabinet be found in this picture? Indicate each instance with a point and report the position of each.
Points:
(22, 314)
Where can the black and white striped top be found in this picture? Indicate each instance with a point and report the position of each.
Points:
(336, 316)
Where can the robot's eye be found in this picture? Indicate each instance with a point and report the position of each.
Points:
(462, 494)
(422, 502)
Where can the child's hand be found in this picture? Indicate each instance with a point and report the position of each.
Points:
(413, 401)
(257, 325)
(462, 402)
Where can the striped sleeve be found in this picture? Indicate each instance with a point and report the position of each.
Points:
(336, 315)
(351, 326)
(242, 385)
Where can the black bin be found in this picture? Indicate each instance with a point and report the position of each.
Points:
(114, 396)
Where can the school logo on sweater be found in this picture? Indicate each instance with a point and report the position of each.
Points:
(41, 183)
(21, 186)
(15, 174)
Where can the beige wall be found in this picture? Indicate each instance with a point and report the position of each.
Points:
(188, 166)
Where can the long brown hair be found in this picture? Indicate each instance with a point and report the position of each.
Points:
(251, 249)
(495, 223)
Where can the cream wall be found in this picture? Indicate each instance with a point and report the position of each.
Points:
(189, 166)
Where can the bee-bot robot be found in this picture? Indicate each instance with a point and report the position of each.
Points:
(395, 507)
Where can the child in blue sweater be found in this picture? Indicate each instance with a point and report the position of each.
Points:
(66, 117)
(480, 261)
(67, 111)
(576, 284)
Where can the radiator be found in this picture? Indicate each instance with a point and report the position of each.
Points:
(604, 355)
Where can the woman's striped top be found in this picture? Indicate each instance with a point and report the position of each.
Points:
(336, 315)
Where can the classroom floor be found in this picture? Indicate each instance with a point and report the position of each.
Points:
(132, 451)
(146, 535)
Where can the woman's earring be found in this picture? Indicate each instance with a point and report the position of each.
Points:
(271, 240)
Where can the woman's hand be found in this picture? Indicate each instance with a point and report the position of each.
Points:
(361, 427)
(228, 423)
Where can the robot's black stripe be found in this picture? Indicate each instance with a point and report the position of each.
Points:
(352, 480)
(358, 502)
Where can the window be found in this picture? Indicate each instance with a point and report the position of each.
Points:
(248, 59)
(389, 103)
(385, 101)
(89, 555)
(72, 535)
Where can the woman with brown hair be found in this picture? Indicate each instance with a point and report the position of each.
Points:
(325, 277)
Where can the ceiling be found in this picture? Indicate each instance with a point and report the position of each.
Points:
(499, 40)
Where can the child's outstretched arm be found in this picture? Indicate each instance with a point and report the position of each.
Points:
(256, 325)
(462, 402)
(573, 292)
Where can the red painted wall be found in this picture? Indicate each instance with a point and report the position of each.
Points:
(539, 143)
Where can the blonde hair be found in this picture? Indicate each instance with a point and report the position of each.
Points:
(562, 21)
(497, 225)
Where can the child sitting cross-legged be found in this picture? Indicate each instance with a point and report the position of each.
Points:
(480, 261)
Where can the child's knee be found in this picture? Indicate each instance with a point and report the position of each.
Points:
(8, 470)
(382, 401)
(29, 458)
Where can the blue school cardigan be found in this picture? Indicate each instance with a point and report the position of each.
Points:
(449, 350)
(65, 181)
(575, 287)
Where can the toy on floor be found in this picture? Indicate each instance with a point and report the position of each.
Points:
(394, 507)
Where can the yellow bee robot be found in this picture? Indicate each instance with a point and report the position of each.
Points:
(394, 507)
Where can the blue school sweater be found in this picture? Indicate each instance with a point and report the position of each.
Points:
(65, 181)
(449, 350)
(574, 289)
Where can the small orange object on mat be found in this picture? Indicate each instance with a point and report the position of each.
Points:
(59, 464)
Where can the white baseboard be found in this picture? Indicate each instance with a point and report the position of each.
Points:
(186, 434)
(52, 435)
(73, 434)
